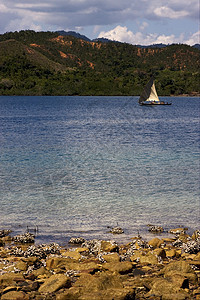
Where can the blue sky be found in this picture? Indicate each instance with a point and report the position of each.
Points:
(133, 21)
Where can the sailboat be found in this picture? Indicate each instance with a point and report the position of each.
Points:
(149, 95)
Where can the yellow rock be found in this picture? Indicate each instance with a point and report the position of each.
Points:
(168, 240)
(9, 289)
(102, 281)
(167, 290)
(82, 250)
(30, 260)
(21, 265)
(15, 295)
(114, 257)
(155, 243)
(41, 271)
(57, 262)
(72, 254)
(171, 253)
(54, 283)
(149, 258)
(144, 258)
(197, 256)
(123, 267)
(180, 281)
(180, 268)
(160, 252)
(88, 266)
(107, 246)
(10, 278)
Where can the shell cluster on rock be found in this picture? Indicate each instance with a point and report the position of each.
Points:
(116, 230)
(155, 228)
(4, 232)
(26, 238)
(77, 241)
(40, 251)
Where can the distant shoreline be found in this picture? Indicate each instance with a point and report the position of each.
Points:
(193, 95)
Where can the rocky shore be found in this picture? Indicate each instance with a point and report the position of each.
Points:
(161, 268)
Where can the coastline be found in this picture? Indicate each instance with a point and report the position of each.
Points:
(161, 268)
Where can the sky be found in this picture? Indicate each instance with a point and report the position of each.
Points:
(141, 22)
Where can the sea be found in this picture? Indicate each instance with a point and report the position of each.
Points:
(76, 166)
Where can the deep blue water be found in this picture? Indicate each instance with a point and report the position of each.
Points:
(75, 165)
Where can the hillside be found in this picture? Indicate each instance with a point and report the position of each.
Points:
(46, 63)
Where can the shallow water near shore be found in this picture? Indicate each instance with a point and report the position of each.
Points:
(73, 166)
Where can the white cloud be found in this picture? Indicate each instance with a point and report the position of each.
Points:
(194, 39)
(122, 34)
(167, 12)
(143, 26)
(22, 24)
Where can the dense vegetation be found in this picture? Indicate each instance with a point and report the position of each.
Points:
(45, 63)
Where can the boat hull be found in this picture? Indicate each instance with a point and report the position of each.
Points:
(152, 104)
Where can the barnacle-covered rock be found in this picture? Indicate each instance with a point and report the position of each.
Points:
(155, 228)
(4, 232)
(191, 247)
(78, 240)
(26, 238)
(40, 251)
(117, 230)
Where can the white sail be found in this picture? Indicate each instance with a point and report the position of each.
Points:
(149, 93)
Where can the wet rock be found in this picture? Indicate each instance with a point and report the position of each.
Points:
(155, 228)
(26, 238)
(76, 241)
(54, 283)
(116, 230)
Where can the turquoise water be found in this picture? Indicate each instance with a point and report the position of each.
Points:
(75, 165)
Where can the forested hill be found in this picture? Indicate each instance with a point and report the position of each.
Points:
(46, 63)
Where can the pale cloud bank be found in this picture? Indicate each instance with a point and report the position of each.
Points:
(122, 34)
